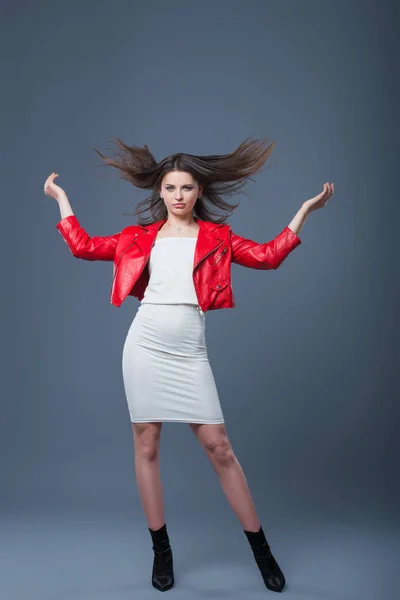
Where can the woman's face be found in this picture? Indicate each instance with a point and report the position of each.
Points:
(180, 187)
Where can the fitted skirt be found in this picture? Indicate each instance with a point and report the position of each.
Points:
(166, 372)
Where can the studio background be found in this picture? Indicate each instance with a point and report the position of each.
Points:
(305, 363)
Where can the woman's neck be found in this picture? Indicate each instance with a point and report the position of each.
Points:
(177, 223)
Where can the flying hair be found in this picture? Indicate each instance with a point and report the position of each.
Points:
(219, 174)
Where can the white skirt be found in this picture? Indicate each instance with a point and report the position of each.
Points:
(165, 367)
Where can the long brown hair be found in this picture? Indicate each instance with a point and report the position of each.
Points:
(219, 174)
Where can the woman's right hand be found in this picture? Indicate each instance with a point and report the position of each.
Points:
(52, 189)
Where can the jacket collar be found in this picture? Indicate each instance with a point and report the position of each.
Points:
(208, 238)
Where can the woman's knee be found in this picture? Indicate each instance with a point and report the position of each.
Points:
(215, 441)
(147, 439)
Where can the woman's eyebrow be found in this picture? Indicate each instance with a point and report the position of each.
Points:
(183, 184)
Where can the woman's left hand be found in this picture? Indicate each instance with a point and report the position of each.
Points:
(322, 198)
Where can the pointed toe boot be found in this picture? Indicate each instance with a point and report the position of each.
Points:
(271, 572)
(162, 577)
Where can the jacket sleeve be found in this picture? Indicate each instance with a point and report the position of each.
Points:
(84, 246)
(268, 255)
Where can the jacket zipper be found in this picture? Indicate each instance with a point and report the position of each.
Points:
(201, 260)
(218, 258)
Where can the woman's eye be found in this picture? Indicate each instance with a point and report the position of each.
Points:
(186, 186)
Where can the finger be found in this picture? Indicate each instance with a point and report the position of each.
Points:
(330, 193)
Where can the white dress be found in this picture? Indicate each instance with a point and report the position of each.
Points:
(166, 372)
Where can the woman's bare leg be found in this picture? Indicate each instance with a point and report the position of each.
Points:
(214, 439)
(147, 467)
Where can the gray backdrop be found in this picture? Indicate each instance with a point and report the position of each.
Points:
(305, 363)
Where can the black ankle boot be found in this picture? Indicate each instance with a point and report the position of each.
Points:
(270, 570)
(162, 577)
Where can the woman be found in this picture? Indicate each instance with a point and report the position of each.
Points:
(177, 263)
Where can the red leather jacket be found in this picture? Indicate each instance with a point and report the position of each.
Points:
(217, 246)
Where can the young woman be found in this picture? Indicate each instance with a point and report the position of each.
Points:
(177, 263)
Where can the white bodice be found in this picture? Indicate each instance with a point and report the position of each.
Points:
(171, 272)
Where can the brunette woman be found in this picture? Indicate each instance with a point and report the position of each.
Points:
(177, 262)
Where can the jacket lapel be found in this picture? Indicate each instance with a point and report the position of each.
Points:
(207, 241)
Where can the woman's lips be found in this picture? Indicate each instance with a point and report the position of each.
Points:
(179, 205)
